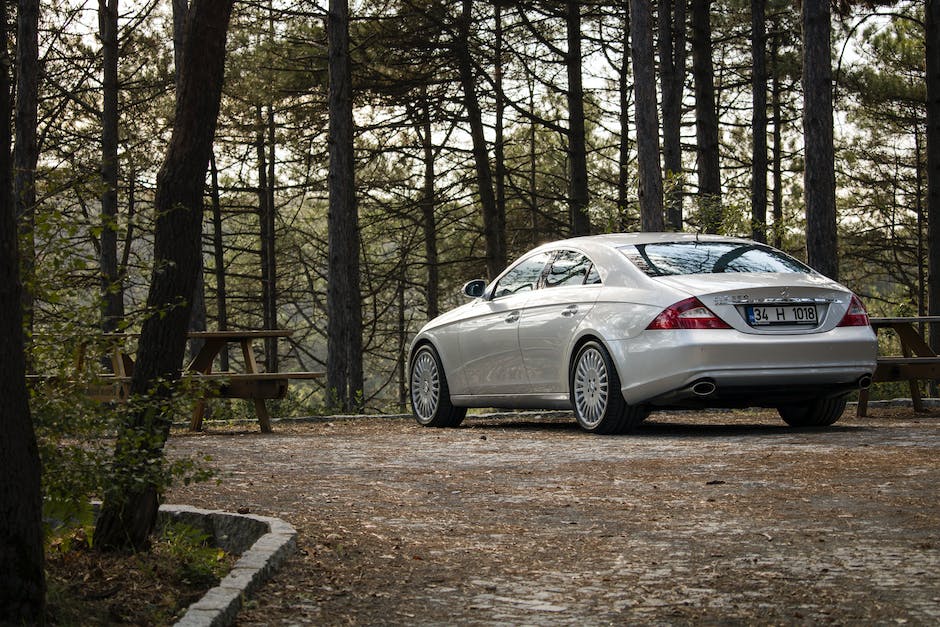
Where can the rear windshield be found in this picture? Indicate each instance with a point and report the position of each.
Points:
(670, 258)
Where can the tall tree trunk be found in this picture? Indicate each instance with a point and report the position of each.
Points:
(623, 170)
(26, 150)
(932, 41)
(428, 205)
(819, 154)
(499, 147)
(268, 248)
(112, 292)
(22, 580)
(532, 178)
(672, 31)
(706, 119)
(130, 504)
(578, 196)
(647, 120)
(344, 301)
(199, 317)
(218, 252)
(268, 231)
(777, 167)
(495, 257)
(180, 11)
(759, 121)
(402, 328)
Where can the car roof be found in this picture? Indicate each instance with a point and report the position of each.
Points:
(616, 240)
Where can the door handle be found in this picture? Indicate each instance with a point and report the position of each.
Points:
(569, 311)
(512, 317)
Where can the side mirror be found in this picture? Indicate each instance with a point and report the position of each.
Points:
(474, 288)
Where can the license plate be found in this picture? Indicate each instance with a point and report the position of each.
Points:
(767, 315)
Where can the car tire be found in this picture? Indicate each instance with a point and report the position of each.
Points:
(430, 395)
(598, 404)
(822, 412)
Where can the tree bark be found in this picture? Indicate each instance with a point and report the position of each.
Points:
(777, 154)
(26, 149)
(759, 121)
(578, 194)
(199, 317)
(218, 253)
(112, 291)
(647, 120)
(22, 580)
(344, 301)
(428, 205)
(499, 146)
(672, 35)
(819, 170)
(266, 173)
(130, 506)
(706, 119)
(623, 170)
(495, 256)
(932, 41)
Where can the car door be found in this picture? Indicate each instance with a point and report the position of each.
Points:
(551, 317)
(489, 341)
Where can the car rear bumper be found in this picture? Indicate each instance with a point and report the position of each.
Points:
(663, 367)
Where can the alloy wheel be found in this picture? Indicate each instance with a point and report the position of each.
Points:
(425, 386)
(591, 387)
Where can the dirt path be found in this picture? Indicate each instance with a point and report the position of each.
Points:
(715, 517)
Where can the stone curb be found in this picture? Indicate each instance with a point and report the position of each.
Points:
(265, 543)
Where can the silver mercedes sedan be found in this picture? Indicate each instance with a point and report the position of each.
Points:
(612, 326)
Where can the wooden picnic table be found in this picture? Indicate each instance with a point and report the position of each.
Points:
(250, 384)
(916, 362)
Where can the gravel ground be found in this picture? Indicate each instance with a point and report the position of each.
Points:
(697, 517)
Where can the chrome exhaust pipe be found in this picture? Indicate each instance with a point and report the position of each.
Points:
(864, 382)
(704, 388)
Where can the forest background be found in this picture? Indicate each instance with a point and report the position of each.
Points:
(544, 91)
(480, 130)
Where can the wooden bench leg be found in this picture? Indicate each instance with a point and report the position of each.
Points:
(199, 411)
(916, 400)
(862, 410)
(264, 418)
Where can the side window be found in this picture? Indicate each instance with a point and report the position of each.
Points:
(524, 277)
(571, 268)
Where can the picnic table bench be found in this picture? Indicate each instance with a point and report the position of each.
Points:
(250, 384)
(916, 362)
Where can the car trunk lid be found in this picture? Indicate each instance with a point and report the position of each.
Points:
(768, 303)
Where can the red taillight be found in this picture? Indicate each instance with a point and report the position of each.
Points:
(687, 314)
(856, 316)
